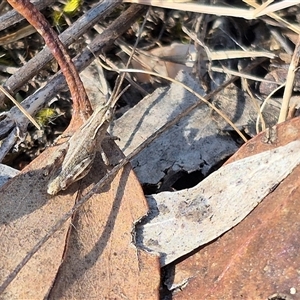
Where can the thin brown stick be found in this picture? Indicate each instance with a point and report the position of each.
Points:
(81, 105)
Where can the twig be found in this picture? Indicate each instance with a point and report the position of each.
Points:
(81, 104)
(70, 35)
(12, 17)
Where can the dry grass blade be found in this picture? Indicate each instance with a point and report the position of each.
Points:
(266, 101)
(227, 11)
(122, 76)
(289, 83)
(267, 9)
(262, 7)
(29, 117)
(230, 54)
(273, 15)
(195, 7)
(185, 87)
(239, 74)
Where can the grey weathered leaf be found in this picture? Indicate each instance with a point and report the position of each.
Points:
(181, 221)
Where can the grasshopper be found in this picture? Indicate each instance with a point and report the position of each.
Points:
(82, 147)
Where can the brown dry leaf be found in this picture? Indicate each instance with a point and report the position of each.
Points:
(94, 255)
(259, 258)
(166, 61)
